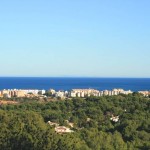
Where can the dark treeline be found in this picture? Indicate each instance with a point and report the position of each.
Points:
(24, 126)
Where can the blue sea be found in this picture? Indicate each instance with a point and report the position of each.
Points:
(58, 83)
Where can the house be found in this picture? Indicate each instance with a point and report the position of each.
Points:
(114, 118)
(63, 129)
(88, 119)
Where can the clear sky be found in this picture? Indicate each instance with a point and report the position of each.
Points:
(96, 38)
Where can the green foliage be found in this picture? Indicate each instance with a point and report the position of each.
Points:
(24, 126)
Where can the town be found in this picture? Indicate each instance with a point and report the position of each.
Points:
(10, 93)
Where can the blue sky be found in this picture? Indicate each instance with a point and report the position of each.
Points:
(92, 38)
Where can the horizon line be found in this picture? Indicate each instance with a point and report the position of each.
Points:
(66, 77)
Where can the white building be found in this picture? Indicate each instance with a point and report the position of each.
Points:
(60, 94)
(82, 94)
(78, 94)
(126, 92)
(72, 94)
(52, 91)
(63, 129)
(114, 118)
(145, 93)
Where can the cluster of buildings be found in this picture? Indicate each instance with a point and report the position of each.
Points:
(63, 94)
(61, 129)
(87, 92)
(114, 118)
(92, 92)
(145, 93)
(20, 93)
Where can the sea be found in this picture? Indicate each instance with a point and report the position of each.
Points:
(68, 83)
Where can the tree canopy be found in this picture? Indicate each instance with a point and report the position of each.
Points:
(24, 126)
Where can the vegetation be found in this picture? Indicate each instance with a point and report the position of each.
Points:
(24, 126)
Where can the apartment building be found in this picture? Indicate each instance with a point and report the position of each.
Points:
(93, 92)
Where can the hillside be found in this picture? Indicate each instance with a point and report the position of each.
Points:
(24, 126)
